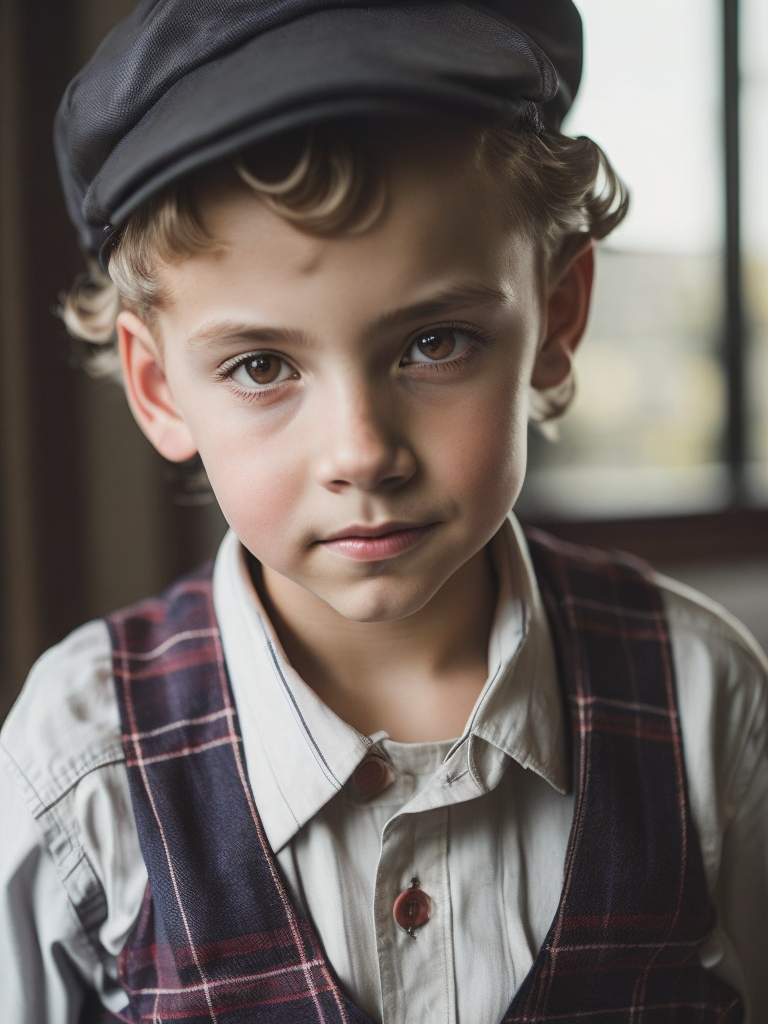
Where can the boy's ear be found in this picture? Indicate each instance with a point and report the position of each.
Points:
(566, 311)
(149, 394)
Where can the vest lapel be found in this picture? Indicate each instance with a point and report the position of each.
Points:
(634, 908)
(219, 936)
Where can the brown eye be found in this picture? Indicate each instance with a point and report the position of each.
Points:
(259, 371)
(437, 344)
(263, 369)
(441, 345)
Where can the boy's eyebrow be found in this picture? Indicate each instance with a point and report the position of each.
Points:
(213, 331)
(466, 296)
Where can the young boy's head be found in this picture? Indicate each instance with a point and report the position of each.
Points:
(351, 261)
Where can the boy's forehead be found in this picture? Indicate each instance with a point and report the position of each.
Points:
(173, 88)
(434, 249)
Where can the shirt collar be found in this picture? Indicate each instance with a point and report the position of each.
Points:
(520, 710)
(300, 753)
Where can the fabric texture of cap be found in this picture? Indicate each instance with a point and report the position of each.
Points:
(182, 83)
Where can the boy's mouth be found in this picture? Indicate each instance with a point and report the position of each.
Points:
(374, 542)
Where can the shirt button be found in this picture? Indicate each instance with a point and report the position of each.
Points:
(373, 775)
(412, 908)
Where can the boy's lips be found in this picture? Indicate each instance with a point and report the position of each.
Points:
(374, 542)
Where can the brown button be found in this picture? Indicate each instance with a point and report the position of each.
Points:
(372, 775)
(412, 908)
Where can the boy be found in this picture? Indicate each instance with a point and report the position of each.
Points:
(334, 783)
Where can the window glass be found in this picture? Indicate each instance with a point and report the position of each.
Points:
(755, 229)
(645, 432)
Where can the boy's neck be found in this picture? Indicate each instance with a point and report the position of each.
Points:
(416, 678)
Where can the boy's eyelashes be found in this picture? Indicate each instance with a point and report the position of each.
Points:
(446, 345)
(436, 346)
(443, 347)
(260, 370)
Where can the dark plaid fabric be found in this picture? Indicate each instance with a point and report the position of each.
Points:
(634, 909)
(219, 937)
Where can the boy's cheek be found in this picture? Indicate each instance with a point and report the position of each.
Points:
(258, 495)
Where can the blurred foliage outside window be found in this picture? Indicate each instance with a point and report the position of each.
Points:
(646, 433)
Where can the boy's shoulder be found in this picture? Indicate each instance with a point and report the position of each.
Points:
(721, 678)
(691, 615)
(721, 672)
(70, 842)
(697, 622)
(65, 723)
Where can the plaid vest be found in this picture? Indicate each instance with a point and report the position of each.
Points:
(219, 936)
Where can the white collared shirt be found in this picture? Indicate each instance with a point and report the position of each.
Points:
(482, 821)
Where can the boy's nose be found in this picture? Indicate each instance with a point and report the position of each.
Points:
(363, 443)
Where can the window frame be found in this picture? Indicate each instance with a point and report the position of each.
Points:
(741, 529)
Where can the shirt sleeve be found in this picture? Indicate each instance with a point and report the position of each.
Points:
(741, 892)
(722, 680)
(71, 874)
(44, 953)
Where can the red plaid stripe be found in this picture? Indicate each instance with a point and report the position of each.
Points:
(218, 937)
(634, 909)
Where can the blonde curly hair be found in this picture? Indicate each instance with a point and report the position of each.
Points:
(558, 190)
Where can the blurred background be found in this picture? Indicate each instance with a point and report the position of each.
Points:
(665, 452)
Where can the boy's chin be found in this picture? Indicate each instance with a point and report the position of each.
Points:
(378, 601)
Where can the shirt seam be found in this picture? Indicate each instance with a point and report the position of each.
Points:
(89, 910)
(39, 805)
(318, 754)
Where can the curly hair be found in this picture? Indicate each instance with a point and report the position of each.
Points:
(325, 181)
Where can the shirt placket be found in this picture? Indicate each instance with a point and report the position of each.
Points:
(416, 965)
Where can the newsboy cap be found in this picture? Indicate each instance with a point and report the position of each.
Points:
(181, 83)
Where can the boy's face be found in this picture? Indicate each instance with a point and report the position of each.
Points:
(359, 402)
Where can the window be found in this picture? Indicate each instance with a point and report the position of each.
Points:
(661, 425)
(755, 182)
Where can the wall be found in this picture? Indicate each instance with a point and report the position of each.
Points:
(87, 518)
